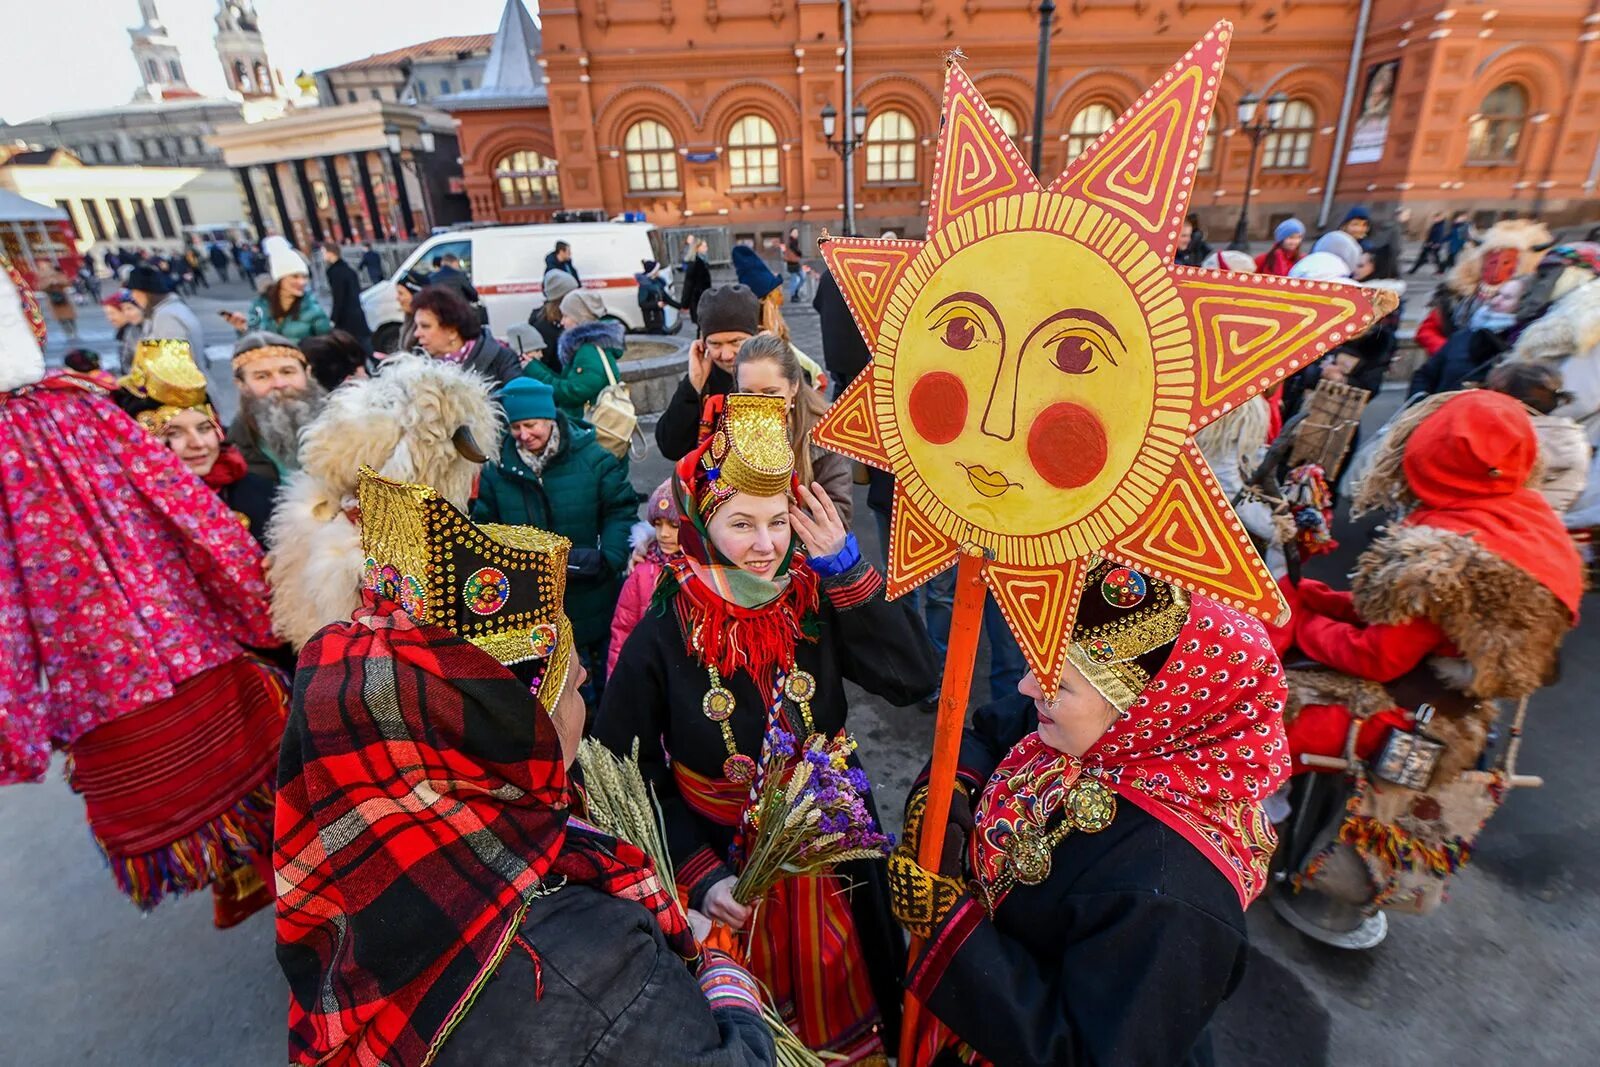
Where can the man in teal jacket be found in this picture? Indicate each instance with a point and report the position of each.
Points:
(553, 474)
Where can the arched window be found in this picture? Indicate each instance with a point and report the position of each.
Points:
(155, 71)
(891, 145)
(652, 157)
(1087, 125)
(1288, 146)
(527, 179)
(177, 71)
(1208, 148)
(241, 76)
(1496, 130)
(753, 153)
(1007, 120)
(263, 78)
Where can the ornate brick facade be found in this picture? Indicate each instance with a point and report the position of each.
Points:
(707, 112)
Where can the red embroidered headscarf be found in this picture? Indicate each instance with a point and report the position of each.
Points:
(1469, 463)
(1199, 747)
(422, 805)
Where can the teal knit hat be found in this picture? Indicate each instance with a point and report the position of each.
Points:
(528, 398)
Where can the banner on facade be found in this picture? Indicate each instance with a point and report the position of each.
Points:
(1372, 124)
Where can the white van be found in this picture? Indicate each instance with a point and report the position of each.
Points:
(506, 265)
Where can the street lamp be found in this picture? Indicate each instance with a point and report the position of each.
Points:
(1047, 11)
(844, 147)
(1256, 124)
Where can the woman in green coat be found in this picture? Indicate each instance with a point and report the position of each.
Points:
(553, 474)
(587, 348)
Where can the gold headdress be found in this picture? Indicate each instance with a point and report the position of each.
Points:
(499, 587)
(164, 371)
(1127, 622)
(749, 450)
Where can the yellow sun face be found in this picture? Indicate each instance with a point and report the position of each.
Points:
(1041, 366)
(1025, 375)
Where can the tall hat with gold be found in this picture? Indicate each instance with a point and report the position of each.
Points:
(498, 587)
(1125, 628)
(164, 373)
(745, 449)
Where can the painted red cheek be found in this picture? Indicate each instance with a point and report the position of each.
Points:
(938, 407)
(1067, 445)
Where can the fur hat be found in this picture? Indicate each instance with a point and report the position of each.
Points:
(282, 259)
(1526, 237)
(407, 424)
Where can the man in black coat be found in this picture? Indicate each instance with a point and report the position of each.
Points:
(561, 259)
(345, 286)
(451, 274)
(372, 263)
(729, 316)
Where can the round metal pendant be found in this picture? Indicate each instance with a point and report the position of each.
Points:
(800, 686)
(739, 768)
(1091, 806)
(717, 704)
(1029, 852)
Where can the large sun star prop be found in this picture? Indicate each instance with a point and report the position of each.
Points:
(1040, 365)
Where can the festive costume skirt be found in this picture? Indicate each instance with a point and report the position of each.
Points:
(802, 944)
(179, 793)
(121, 574)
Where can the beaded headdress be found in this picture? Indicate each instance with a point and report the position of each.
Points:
(1127, 623)
(499, 587)
(748, 452)
(164, 370)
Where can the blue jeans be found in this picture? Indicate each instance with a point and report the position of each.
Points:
(934, 602)
(793, 282)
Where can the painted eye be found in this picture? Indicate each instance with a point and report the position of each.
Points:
(961, 332)
(1076, 352)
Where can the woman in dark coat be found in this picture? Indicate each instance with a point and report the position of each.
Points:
(547, 317)
(743, 613)
(696, 279)
(448, 328)
(1096, 914)
(440, 901)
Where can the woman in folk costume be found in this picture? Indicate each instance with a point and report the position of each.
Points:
(1464, 601)
(440, 901)
(166, 394)
(1093, 910)
(128, 594)
(750, 634)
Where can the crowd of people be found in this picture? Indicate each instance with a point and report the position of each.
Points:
(413, 573)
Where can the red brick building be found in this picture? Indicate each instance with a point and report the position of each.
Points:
(709, 113)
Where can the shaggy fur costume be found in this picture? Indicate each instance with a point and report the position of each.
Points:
(1522, 234)
(605, 333)
(400, 424)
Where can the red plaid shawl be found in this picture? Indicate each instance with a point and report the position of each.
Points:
(422, 804)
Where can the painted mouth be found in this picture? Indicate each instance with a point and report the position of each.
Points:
(989, 483)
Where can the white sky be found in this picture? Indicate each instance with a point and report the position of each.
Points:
(73, 55)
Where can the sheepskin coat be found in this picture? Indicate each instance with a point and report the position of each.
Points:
(400, 424)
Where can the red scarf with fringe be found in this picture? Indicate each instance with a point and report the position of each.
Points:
(760, 641)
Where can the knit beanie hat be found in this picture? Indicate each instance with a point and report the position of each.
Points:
(729, 309)
(1288, 228)
(1360, 211)
(557, 284)
(753, 271)
(583, 305)
(662, 505)
(282, 259)
(528, 398)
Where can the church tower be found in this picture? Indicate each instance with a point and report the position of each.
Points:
(242, 51)
(160, 66)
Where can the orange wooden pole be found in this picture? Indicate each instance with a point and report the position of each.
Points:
(966, 626)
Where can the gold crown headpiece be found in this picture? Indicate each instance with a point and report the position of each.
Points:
(1127, 622)
(499, 587)
(749, 450)
(164, 370)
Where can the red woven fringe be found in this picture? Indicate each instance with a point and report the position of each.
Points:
(234, 839)
(760, 640)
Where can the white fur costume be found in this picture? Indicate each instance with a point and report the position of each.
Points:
(1568, 335)
(400, 424)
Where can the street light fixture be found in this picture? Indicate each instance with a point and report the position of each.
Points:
(844, 147)
(1256, 125)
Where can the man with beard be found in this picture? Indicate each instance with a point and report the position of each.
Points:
(277, 398)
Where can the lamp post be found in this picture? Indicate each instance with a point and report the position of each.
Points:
(845, 147)
(406, 156)
(1257, 124)
(1047, 11)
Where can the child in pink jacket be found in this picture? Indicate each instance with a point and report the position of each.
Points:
(654, 541)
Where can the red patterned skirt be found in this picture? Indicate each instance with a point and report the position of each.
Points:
(179, 793)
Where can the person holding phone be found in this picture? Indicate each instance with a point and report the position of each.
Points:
(728, 316)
